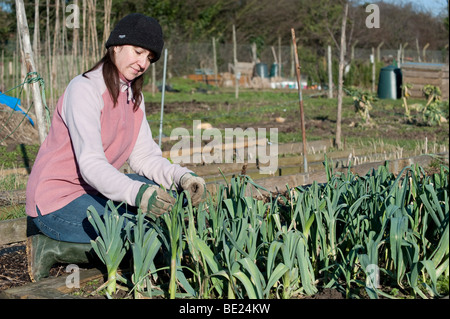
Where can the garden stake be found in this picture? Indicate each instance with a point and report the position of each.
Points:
(162, 97)
(302, 116)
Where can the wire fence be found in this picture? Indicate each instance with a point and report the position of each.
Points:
(208, 58)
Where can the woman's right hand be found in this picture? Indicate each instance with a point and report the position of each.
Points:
(154, 200)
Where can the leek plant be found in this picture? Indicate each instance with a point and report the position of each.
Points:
(329, 235)
(378, 219)
(197, 230)
(173, 221)
(145, 245)
(111, 244)
(241, 271)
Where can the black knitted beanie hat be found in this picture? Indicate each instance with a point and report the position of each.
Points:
(138, 30)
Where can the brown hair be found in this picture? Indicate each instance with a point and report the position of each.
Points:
(112, 80)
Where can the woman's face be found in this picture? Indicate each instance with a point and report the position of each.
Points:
(132, 61)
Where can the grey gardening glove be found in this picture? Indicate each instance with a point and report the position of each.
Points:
(195, 186)
(152, 199)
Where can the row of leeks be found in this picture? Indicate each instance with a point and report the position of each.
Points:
(376, 233)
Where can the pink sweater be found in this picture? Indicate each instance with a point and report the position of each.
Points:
(88, 142)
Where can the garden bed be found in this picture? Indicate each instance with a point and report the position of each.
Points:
(333, 277)
(311, 241)
(15, 282)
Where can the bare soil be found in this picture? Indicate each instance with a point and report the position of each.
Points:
(389, 122)
(13, 266)
(14, 273)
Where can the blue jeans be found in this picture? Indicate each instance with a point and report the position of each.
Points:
(70, 223)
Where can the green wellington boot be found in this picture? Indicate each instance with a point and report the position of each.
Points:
(43, 252)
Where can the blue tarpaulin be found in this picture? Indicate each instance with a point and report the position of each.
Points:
(13, 103)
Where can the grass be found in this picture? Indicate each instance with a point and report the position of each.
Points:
(13, 180)
(20, 156)
(12, 212)
(221, 109)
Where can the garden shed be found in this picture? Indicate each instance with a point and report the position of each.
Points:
(421, 74)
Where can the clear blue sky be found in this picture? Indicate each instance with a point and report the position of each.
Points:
(434, 6)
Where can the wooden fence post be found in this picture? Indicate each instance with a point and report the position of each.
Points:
(215, 61)
(235, 62)
(374, 69)
(330, 74)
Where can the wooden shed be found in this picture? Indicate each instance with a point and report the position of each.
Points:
(421, 74)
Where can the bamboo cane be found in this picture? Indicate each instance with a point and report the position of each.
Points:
(2, 73)
(235, 61)
(75, 42)
(36, 34)
(153, 80)
(54, 73)
(162, 97)
(48, 51)
(89, 53)
(64, 50)
(341, 80)
(23, 71)
(107, 22)
(84, 64)
(93, 29)
(302, 116)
